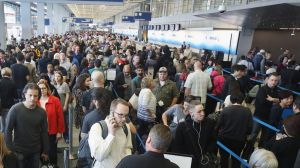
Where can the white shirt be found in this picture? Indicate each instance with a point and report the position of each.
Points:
(110, 151)
(198, 82)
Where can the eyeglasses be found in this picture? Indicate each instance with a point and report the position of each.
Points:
(162, 72)
(122, 115)
(43, 88)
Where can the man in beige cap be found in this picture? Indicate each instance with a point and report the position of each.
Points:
(165, 91)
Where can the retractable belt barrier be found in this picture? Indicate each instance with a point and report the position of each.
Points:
(243, 162)
(260, 81)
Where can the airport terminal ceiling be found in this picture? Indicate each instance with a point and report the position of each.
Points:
(271, 17)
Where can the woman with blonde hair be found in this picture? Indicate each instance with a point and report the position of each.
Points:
(146, 106)
(7, 158)
(262, 158)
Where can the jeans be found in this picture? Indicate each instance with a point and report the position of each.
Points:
(53, 149)
(3, 118)
(255, 131)
(236, 147)
(28, 160)
(66, 118)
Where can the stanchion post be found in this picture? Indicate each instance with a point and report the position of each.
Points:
(66, 158)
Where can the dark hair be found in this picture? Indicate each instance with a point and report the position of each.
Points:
(28, 56)
(19, 56)
(97, 63)
(46, 77)
(237, 97)
(140, 67)
(161, 137)
(188, 98)
(284, 94)
(80, 82)
(292, 126)
(237, 67)
(103, 100)
(84, 62)
(272, 74)
(31, 86)
(55, 62)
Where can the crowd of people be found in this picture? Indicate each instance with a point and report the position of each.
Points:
(161, 100)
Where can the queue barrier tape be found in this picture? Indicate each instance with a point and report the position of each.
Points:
(265, 124)
(233, 154)
(260, 81)
(140, 139)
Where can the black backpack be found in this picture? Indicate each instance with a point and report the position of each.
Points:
(85, 160)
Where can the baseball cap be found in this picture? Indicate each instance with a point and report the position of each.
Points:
(163, 69)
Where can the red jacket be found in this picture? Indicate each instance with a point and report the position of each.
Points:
(55, 116)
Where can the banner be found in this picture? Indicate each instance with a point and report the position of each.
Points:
(219, 40)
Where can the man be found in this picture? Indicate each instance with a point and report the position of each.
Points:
(8, 94)
(27, 123)
(112, 57)
(177, 113)
(97, 66)
(197, 83)
(232, 82)
(31, 67)
(157, 143)
(233, 126)
(97, 79)
(122, 83)
(165, 91)
(109, 151)
(188, 52)
(20, 73)
(195, 136)
(136, 81)
(63, 62)
(266, 96)
(77, 55)
(296, 106)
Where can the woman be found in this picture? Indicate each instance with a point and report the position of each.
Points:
(53, 90)
(7, 158)
(81, 85)
(262, 158)
(64, 94)
(146, 106)
(53, 108)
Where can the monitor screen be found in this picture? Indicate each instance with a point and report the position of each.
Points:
(183, 161)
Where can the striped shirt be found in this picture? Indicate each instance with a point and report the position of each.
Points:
(146, 103)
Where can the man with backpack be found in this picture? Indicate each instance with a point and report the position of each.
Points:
(110, 141)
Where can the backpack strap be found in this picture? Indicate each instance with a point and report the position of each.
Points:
(105, 129)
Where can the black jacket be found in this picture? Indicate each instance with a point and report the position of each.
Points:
(186, 139)
(146, 160)
(262, 105)
(285, 150)
(235, 122)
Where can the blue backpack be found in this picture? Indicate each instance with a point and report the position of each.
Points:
(85, 160)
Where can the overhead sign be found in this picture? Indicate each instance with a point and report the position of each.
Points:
(46, 22)
(128, 19)
(83, 20)
(67, 19)
(146, 16)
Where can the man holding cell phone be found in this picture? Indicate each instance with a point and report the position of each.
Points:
(110, 150)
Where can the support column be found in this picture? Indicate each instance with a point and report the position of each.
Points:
(40, 19)
(26, 22)
(50, 17)
(2, 28)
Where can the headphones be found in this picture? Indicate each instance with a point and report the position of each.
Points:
(204, 159)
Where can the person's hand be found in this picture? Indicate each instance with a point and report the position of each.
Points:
(58, 137)
(125, 85)
(45, 157)
(269, 98)
(280, 136)
(112, 125)
(65, 109)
